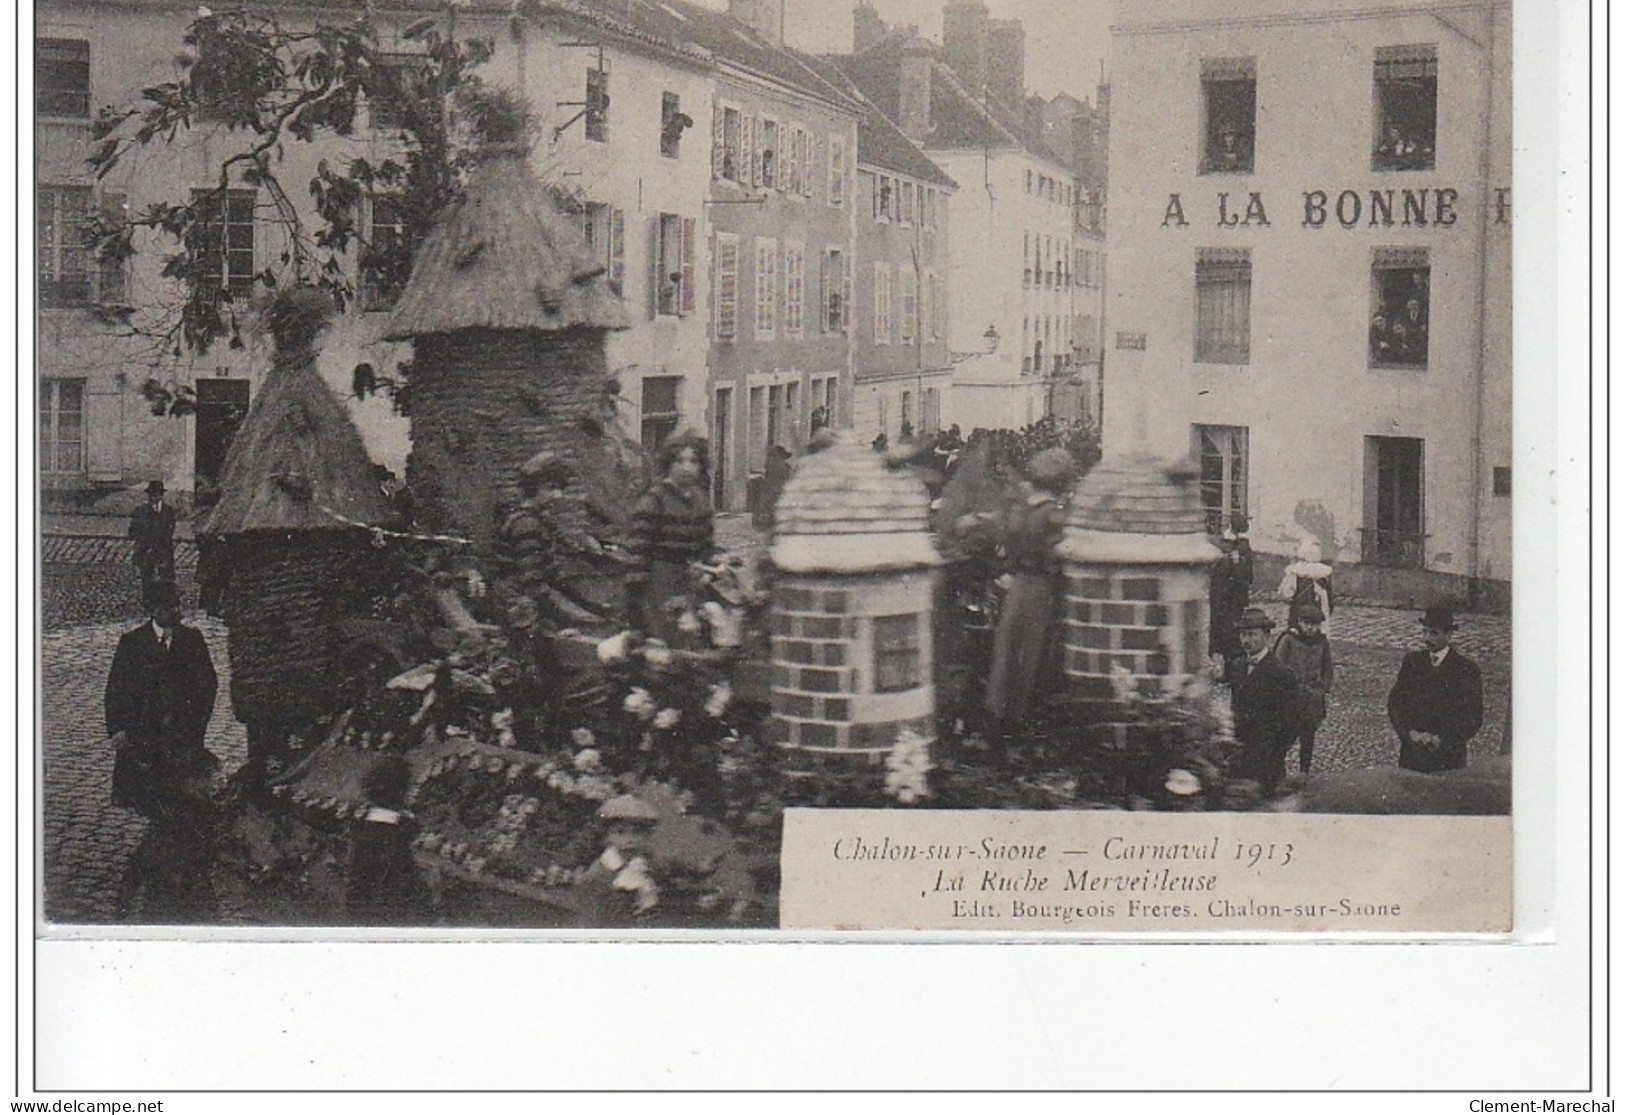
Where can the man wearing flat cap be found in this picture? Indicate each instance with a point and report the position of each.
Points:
(1267, 704)
(1437, 703)
(152, 527)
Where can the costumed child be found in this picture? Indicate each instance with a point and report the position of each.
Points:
(1307, 653)
(384, 885)
(619, 888)
(1307, 580)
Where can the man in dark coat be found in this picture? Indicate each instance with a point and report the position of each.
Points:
(1437, 703)
(1230, 581)
(160, 695)
(152, 526)
(1267, 705)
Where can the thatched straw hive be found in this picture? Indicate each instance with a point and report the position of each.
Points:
(296, 471)
(508, 308)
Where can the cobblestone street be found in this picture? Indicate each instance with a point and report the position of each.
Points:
(88, 590)
(89, 597)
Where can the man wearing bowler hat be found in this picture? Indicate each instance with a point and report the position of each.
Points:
(152, 526)
(1437, 703)
(1267, 704)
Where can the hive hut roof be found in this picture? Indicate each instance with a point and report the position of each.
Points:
(505, 256)
(844, 511)
(1136, 509)
(297, 458)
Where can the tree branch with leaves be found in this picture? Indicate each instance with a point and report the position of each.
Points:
(265, 87)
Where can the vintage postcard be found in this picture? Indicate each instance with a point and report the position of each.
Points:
(633, 466)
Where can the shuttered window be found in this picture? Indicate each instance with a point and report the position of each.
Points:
(837, 170)
(795, 279)
(767, 287)
(1224, 297)
(727, 285)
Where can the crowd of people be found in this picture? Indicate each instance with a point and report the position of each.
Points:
(1280, 687)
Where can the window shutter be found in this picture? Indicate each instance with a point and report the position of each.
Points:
(718, 140)
(111, 273)
(846, 294)
(688, 265)
(617, 252)
(751, 126)
(727, 286)
(654, 266)
(104, 430)
(826, 286)
(792, 162)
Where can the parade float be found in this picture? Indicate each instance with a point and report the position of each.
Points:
(531, 744)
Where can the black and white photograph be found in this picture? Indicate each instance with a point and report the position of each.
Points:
(496, 460)
(1006, 506)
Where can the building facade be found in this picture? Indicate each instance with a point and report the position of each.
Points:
(901, 372)
(1012, 307)
(636, 172)
(782, 260)
(638, 175)
(1311, 281)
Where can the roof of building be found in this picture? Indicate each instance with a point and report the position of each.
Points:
(505, 256)
(959, 117)
(881, 143)
(680, 24)
(845, 511)
(297, 462)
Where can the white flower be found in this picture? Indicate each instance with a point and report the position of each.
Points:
(718, 699)
(657, 653)
(907, 765)
(688, 623)
(640, 703)
(612, 650)
(583, 737)
(589, 761)
(667, 718)
(1183, 783)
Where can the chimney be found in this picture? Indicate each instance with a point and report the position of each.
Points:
(868, 29)
(914, 90)
(765, 17)
(964, 41)
(1006, 59)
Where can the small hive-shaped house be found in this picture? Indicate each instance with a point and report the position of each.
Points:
(852, 638)
(1135, 554)
(507, 308)
(297, 501)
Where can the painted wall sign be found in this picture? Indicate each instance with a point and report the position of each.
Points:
(1408, 207)
(1131, 341)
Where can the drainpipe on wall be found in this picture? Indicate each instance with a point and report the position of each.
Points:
(1475, 528)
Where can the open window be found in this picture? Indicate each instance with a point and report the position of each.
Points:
(1398, 330)
(596, 112)
(1406, 90)
(673, 123)
(1229, 114)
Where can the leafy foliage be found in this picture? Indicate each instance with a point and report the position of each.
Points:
(266, 86)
